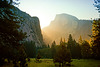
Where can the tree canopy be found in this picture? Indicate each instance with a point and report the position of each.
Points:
(11, 46)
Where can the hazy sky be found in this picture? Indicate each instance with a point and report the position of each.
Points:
(46, 10)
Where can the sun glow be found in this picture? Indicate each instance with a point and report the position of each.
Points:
(46, 10)
(44, 21)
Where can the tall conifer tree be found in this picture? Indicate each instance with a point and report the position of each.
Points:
(11, 37)
(96, 33)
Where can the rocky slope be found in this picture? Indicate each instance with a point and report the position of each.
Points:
(65, 24)
(30, 25)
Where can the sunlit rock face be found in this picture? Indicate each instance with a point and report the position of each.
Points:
(30, 25)
(65, 24)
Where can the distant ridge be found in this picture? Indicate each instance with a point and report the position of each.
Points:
(65, 24)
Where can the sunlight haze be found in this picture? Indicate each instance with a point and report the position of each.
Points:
(46, 10)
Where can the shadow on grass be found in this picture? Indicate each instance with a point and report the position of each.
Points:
(66, 65)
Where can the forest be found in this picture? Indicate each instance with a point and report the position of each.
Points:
(15, 51)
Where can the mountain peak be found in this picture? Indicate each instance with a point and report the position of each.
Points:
(64, 19)
(65, 24)
(64, 16)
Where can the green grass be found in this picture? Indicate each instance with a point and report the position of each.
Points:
(44, 63)
(49, 63)
(74, 63)
(85, 63)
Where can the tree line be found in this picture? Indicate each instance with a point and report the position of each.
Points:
(77, 50)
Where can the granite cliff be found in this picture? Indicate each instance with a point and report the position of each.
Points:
(30, 25)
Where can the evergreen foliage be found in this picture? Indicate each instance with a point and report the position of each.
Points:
(86, 50)
(11, 46)
(71, 45)
(53, 49)
(96, 33)
(97, 5)
(30, 49)
(62, 55)
(80, 40)
(45, 52)
(96, 39)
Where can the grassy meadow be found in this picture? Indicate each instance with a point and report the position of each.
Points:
(49, 63)
(75, 63)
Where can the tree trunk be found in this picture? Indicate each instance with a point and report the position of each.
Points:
(59, 64)
(63, 64)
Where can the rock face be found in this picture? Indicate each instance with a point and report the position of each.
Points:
(31, 26)
(65, 24)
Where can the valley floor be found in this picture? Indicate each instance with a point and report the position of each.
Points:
(49, 63)
(75, 63)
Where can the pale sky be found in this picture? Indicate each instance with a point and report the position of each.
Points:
(46, 10)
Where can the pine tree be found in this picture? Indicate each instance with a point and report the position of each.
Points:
(96, 33)
(62, 55)
(96, 39)
(86, 50)
(53, 49)
(61, 40)
(48, 46)
(71, 45)
(70, 42)
(80, 40)
(30, 49)
(10, 37)
(78, 51)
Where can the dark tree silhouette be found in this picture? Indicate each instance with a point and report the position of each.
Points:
(96, 33)
(86, 50)
(70, 42)
(38, 57)
(96, 39)
(10, 37)
(62, 55)
(48, 46)
(71, 45)
(80, 40)
(30, 49)
(78, 51)
(53, 49)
